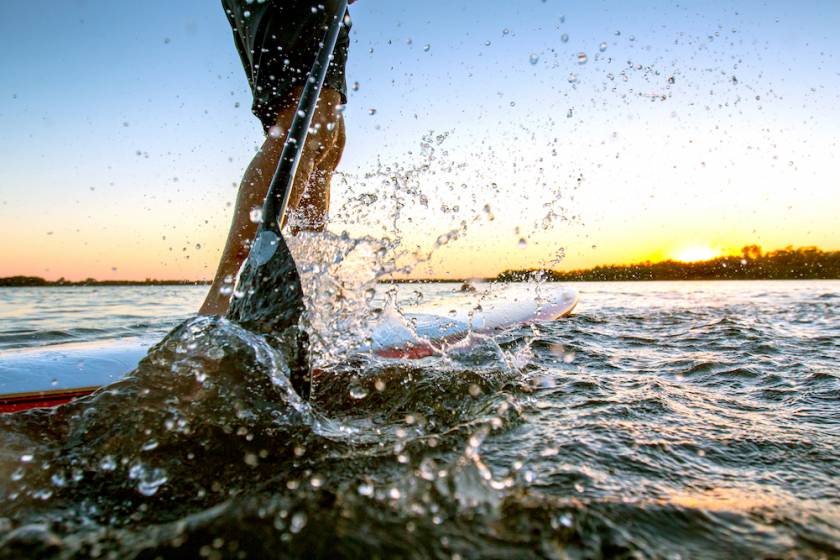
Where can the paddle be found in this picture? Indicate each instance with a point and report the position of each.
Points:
(272, 300)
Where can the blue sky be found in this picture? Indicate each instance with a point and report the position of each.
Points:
(126, 125)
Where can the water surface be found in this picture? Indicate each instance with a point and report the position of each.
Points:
(662, 420)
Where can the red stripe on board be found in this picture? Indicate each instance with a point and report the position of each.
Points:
(25, 402)
(410, 352)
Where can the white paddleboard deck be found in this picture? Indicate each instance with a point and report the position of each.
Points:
(77, 367)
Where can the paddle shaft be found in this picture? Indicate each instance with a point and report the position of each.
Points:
(280, 188)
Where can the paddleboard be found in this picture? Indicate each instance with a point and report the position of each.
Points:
(52, 375)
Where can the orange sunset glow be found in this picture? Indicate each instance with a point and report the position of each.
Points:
(696, 253)
(141, 183)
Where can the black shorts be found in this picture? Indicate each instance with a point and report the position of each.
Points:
(278, 41)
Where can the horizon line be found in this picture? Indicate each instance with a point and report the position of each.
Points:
(749, 253)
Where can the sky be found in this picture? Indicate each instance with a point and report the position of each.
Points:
(481, 136)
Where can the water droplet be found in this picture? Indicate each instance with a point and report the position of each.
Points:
(151, 482)
(427, 47)
(357, 391)
(564, 37)
(107, 463)
(298, 522)
(522, 243)
(427, 469)
(149, 445)
(602, 47)
(394, 493)
(505, 31)
(582, 58)
(572, 78)
(534, 58)
(366, 489)
(371, 111)
(355, 86)
(26, 458)
(275, 131)
(251, 460)
(256, 215)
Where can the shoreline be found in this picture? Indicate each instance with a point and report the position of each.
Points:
(130, 284)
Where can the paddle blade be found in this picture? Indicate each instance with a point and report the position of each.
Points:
(272, 303)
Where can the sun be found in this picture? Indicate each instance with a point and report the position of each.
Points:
(695, 253)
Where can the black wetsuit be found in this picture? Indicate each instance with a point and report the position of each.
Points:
(277, 41)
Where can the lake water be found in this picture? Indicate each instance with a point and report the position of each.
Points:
(661, 420)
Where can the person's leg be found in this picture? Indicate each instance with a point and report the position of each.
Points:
(320, 156)
(310, 200)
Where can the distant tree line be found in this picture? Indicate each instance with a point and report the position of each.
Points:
(37, 281)
(752, 264)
